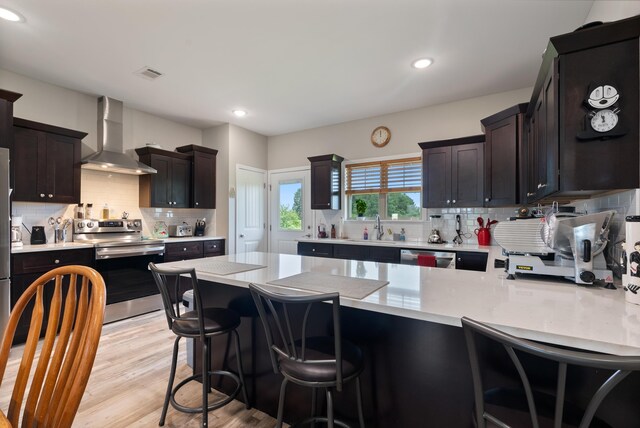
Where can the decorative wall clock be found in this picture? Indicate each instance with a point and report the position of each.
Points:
(380, 136)
(602, 121)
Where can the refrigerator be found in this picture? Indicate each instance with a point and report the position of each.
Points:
(5, 240)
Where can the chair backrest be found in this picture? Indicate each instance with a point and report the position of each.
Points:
(286, 334)
(168, 281)
(68, 350)
(621, 365)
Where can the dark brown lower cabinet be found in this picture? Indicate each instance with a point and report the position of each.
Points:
(465, 260)
(471, 260)
(313, 249)
(188, 250)
(27, 267)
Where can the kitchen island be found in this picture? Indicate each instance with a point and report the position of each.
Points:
(417, 371)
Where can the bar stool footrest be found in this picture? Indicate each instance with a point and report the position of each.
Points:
(211, 406)
(312, 419)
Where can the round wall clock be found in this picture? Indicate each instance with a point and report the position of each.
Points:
(380, 136)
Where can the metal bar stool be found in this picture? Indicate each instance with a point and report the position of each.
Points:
(533, 400)
(315, 362)
(199, 323)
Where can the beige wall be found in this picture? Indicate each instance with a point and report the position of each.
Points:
(63, 107)
(352, 139)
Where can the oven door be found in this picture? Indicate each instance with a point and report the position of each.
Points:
(128, 278)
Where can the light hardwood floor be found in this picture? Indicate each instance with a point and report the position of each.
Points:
(129, 379)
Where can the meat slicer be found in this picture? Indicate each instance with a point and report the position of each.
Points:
(561, 244)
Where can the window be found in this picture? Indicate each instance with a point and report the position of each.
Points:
(390, 188)
(290, 195)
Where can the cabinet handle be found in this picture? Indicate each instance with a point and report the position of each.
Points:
(487, 199)
(313, 249)
(542, 186)
(50, 195)
(531, 193)
(454, 201)
(196, 203)
(56, 261)
(459, 259)
(539, 185)
(42, 195)
(242, 235)
(184, 249)
(448, 201)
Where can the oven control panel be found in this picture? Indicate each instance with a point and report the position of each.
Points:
(105, 226)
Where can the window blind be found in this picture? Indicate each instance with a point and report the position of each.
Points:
(399, 175)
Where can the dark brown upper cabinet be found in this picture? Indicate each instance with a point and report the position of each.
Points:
(559, 161)
(326, 172)
(502, 148)
(453, 172)
(203, 175)
(7, 98)
(45, 163)
(171, 186)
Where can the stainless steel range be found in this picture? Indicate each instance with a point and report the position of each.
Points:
(122, 257)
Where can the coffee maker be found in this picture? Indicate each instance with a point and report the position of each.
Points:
(16, 232)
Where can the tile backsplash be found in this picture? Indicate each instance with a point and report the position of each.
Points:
(624, 203)
(120, 193)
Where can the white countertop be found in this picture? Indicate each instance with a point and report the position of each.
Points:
(50, 247)
(411, 243)
(553, 311)
(76, 245)
(192, 238)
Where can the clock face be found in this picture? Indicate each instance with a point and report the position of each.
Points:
(604, 121)
(380, 136)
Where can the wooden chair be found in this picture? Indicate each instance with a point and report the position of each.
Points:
(68, 350)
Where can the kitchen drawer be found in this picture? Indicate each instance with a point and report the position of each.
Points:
(384, 254)
(182, 251)
(215, 247)
(351, 252)
(313, 249)
(43, 261)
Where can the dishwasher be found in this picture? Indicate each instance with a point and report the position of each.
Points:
(444, 259)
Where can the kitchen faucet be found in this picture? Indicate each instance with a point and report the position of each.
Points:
(378, 227)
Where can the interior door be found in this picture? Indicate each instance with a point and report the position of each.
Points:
(251, 210)
(290, 216)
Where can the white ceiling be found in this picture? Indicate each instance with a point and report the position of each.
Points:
(293, 64)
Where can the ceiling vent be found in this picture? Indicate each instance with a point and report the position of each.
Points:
(148, 73)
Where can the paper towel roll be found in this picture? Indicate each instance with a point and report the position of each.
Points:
(631, 278)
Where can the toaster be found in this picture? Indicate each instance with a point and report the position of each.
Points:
(180, 230)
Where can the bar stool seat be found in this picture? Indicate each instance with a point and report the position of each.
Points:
(322, 349)
(203, 324)
(216, 320)
(317, 362)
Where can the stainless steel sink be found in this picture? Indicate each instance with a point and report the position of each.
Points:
(374, 242)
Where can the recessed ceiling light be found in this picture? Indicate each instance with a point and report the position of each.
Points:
(239, 113)
(10, 15)
(422, 63)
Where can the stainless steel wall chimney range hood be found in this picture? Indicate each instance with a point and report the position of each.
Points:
(110, 155)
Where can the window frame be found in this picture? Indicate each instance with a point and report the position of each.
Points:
(383, 190)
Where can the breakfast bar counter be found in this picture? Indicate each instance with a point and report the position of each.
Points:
(549, 310)
(418, 372)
